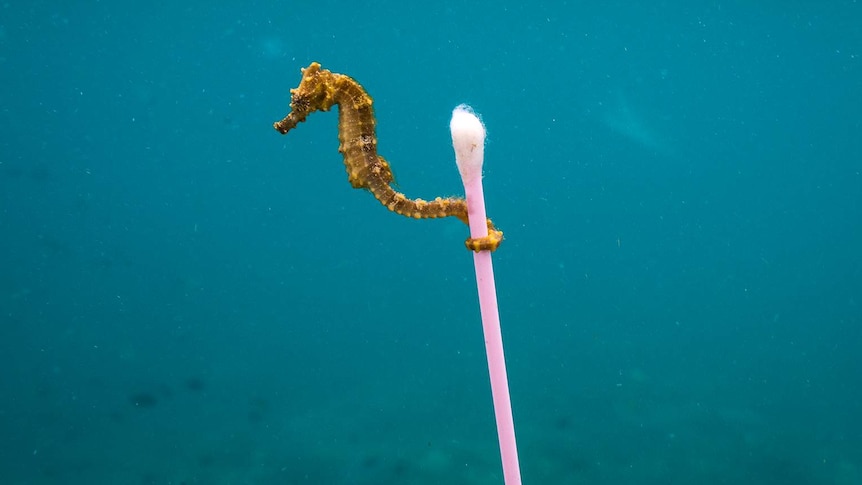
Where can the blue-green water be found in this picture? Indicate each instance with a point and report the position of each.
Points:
(188, 297)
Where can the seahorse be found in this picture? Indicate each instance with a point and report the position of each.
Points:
(320, 90)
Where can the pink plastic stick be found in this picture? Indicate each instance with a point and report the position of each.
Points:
(468, 139)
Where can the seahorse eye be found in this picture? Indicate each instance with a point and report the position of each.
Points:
(299, 102)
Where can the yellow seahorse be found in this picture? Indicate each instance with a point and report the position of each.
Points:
(319, 90)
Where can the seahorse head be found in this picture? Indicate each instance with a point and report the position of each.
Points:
(314, 93)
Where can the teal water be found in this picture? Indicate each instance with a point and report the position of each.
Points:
(188, 297)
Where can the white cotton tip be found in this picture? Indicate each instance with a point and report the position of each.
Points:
(468, 139)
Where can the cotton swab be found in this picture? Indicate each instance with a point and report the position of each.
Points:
(468, 140)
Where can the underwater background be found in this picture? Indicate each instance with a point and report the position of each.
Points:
(188, 297)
